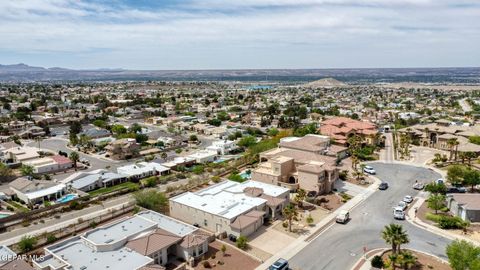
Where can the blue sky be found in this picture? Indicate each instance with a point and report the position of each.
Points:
(231, 34)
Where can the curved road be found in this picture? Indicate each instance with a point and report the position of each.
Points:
(340, 246)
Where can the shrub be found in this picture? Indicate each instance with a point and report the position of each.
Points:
(206, 264)
(447, 222)
(242, 242)
(27, 243)
(343, 175)
(377, 262)
(285, 224)
(433, 217)
(212, 257)
(51, 238)
(309, 219)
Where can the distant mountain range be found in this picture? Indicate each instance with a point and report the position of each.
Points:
(25, 73)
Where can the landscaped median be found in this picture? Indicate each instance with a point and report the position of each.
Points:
(411, 259)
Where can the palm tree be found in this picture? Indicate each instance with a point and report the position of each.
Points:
(455, 144)
(394, 235)
(27, 170)
(74, 157)
(290, 212)
(407, 260)
(301, 195)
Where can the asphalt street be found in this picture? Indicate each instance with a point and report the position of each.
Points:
(340, 246)
(57, 144)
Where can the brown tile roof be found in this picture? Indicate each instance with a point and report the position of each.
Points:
(243, 221)
(196, 238)
(152, 267)
(469, 201)
(153, 242)
(273, 201)
(17, 265)
(253, 191)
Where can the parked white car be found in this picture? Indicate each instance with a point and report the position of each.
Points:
(369, 170)
(343, 217)
(398, 213)
(403, 205)
(408, 199)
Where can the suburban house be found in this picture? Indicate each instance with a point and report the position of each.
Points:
(143, 169)
(465, 206)
(440, 134)
(203, 156)
(231, 207)
(95, 133)
(32, 132)
(123, 149)
(97, 180)
(21, 154)
(37, 191)
(340, 129)
(50, 164)
(147, 240)
(222, 147)
(308, 163)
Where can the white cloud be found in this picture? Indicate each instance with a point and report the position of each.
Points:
(222, 30)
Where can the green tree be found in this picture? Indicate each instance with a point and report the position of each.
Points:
(100, 123)
(471, 178)
(198, 169)
(272, 132)
(436, 202)
(242, 242)
(135, 128)
(164, 156)
(223, 249)
(74, 157)
(407, 260)
(290, 212)
(463, 255)
(119, 129)
(27, 243)
(308, 129)
(436, 188)
(26, 170)
(151, 199)
(455, 174)
(75, 127)
(193, 138)
(394, 235)
(247, 141)
(5, 171)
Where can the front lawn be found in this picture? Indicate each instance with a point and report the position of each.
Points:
(105, 190)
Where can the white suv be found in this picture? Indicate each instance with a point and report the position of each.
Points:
(398, 213)
(369, 170)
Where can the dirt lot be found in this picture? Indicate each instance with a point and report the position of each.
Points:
(331, 201)
(424, 262)
(232, 260)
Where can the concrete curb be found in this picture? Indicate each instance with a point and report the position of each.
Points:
(433, 229)
(302, 241)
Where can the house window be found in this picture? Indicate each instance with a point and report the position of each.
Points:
(205, 222)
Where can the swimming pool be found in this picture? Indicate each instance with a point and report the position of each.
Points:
(4, 215)
(67, 198)
(246, 175)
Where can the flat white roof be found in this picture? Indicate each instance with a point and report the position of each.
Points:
(141, 168)
(45, 192)
(224, 199)
(81, 257)
(117, 231)
(167, 223)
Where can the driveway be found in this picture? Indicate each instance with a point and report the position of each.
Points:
(349, 188)
(341, 246)
(269, 240)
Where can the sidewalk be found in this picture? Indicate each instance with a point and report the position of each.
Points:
(431, 228)
(301, 242)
